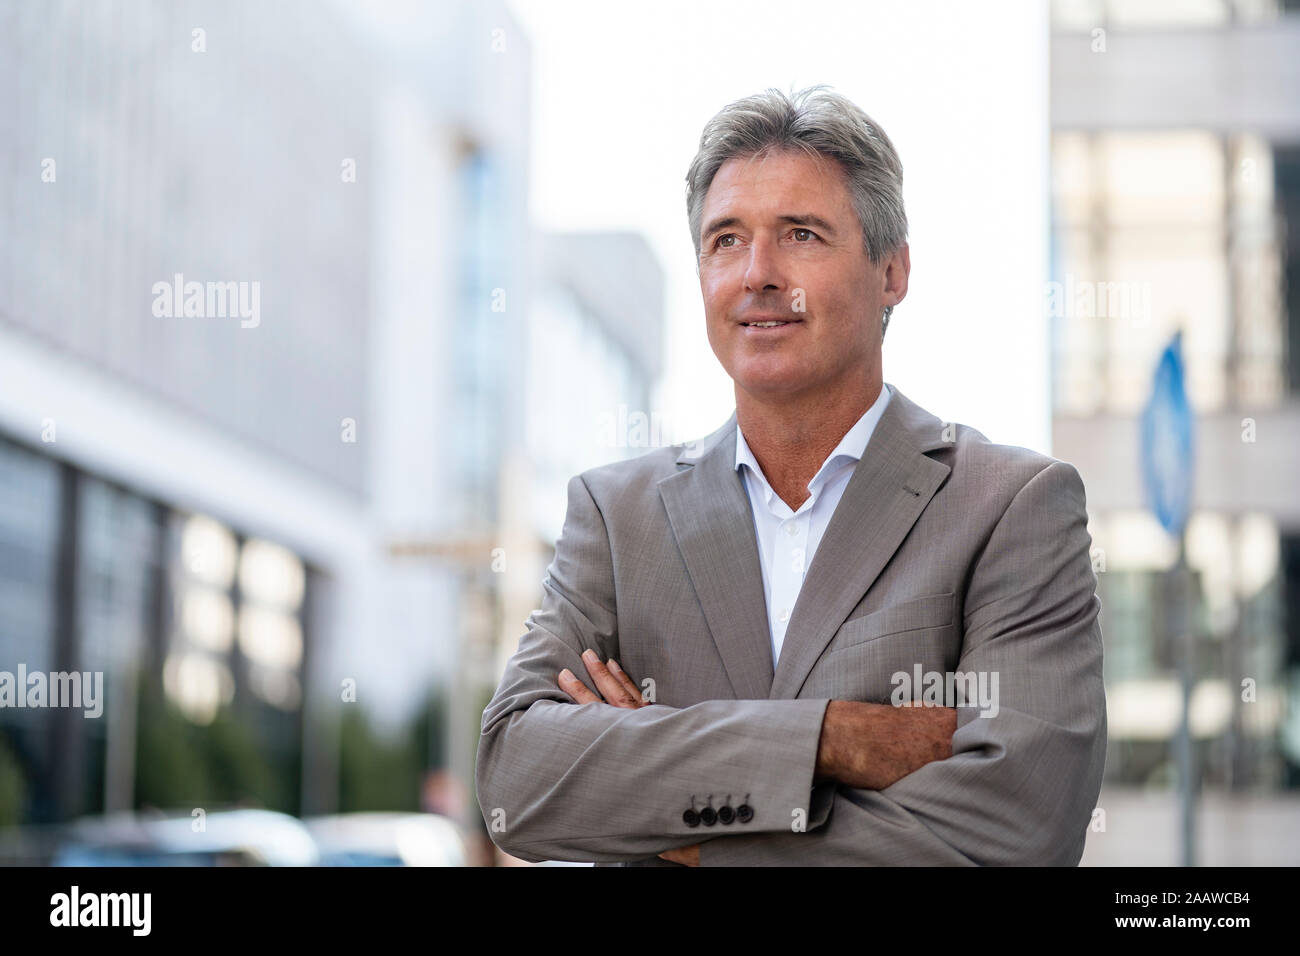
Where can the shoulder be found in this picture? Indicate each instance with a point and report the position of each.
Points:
(635, 480)
(632, 476)
(1008, 472)
(971, 457)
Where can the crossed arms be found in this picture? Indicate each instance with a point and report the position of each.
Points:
(863, 745)
(594, 781)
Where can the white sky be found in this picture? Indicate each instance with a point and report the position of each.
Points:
(621, 93)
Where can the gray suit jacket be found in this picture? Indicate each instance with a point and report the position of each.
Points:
(946, 552)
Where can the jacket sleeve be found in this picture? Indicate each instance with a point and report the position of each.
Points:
(1020, 786)
(558, 780)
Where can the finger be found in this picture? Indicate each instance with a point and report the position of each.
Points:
(627, 682)
(685, 855)
(609, 686)
(576, 688)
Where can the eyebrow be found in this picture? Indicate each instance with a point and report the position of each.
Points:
(793, 219)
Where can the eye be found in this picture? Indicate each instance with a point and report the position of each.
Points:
(808, 232)
(722, 243)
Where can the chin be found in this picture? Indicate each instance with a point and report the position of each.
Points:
(758, 381)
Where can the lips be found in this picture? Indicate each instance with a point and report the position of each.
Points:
(769, 323)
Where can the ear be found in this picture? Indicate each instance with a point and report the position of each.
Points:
(897, 268)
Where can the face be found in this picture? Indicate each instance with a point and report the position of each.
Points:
(781, 242)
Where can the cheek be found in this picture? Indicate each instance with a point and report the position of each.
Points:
(713, 287)
(718, 304)
(836, 301)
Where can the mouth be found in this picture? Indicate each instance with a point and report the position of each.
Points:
(770, 323)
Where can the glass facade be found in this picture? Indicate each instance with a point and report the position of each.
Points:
(479, 350)
(29, 544)
(1156, 231)
(575, 422)
(196, 632)
(117, 588)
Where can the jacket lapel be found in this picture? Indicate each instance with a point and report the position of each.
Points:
(708, 509)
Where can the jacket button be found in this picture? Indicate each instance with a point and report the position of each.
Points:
(744, 813)
(691, 818)
(726, 815)
(708, 816)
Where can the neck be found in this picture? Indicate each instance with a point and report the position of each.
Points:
(792, 436)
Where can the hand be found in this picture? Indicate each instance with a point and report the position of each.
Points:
(618, 688)
(686, 855)
(871, 746)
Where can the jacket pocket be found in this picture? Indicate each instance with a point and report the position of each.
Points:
(928, 610)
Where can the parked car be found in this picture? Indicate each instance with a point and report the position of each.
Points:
(217, 838)
(388, 839)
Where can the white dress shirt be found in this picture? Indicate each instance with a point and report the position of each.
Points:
(787, 540)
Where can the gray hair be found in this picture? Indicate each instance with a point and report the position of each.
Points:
(818, 122)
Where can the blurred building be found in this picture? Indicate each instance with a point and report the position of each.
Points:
(594, 349)
(271, 505)
(1176, 205)
(593, 353)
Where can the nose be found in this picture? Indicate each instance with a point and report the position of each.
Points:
(762, 272)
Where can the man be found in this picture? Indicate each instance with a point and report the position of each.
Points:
(728, 630)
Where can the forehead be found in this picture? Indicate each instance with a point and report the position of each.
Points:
(775, 182)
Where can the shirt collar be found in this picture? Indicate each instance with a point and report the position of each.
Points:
(851, 447)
